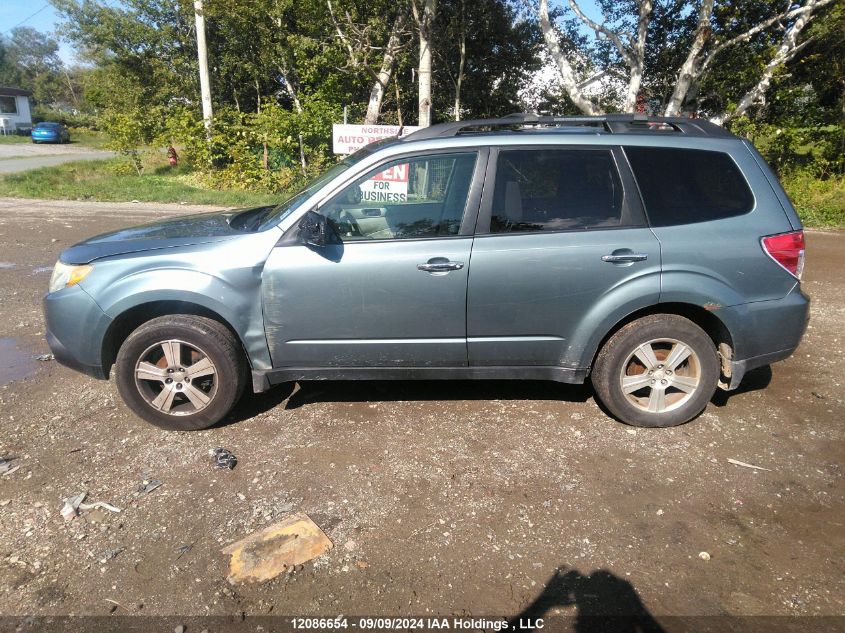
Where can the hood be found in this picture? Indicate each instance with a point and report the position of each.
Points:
(186, 230)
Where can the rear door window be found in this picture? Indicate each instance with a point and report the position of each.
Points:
(556, 190)
(683, 186)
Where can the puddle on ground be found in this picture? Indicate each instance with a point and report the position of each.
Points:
(7, 265)
(14, 364)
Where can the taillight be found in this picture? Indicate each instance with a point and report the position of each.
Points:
(787, 249)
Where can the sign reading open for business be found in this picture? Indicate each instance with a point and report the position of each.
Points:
(390, 185)
(347, 139)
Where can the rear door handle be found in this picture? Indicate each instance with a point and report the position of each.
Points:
(440, 267)
(624, 259)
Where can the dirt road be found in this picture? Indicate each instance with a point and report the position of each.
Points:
(440, 498)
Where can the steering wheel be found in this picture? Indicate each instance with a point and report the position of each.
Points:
(348, 224)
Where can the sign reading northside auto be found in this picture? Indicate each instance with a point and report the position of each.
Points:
(347, 139)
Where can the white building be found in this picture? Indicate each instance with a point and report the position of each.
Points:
(14, 110)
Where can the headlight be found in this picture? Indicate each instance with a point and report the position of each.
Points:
(65, 275)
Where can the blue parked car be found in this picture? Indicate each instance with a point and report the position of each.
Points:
(49, 132)
(657, 258)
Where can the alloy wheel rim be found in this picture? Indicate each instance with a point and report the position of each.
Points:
(176, 378)
(660, 375)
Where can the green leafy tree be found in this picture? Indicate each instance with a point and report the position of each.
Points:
(30, 60)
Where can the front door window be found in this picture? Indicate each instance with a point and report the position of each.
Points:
(411, 198)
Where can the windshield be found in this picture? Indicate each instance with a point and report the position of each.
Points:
(293, 202)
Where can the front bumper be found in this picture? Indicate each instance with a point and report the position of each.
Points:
(76, 329)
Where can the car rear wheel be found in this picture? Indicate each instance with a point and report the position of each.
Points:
(181, 372)
(657, 371)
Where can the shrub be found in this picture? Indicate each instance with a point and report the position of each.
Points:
(129, 132)
(817, 150)
(820, 203)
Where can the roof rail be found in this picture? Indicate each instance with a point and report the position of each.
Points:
(607, 123)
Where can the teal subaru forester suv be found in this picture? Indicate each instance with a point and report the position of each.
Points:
(658, 258)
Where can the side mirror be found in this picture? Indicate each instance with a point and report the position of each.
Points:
(317, 230)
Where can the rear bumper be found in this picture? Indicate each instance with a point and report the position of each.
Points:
(765, 332)
(76, 327)
(741, 367)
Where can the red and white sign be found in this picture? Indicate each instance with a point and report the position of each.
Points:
(390, 185)
(347, 139)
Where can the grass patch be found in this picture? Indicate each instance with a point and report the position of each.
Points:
(109, 180)
(87, 137)
(820, 203)
(13, 139)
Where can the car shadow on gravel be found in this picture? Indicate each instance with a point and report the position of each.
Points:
(755, 380)
(603, 602)
(253, 404)
(428, 390)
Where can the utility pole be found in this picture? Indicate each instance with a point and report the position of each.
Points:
(425, 18)
(202, 57)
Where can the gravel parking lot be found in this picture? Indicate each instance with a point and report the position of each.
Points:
(461, 498)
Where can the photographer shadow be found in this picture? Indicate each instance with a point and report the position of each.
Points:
(604, 602)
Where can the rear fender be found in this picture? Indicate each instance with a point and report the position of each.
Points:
(619, 302)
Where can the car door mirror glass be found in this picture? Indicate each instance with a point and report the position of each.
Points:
(317, 230)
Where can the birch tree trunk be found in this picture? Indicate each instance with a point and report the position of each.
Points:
(789, 47)
(697, 63)
(382, 79)
(424, 19)
(297, 105)
(567, 75)
(689, 71)
(636, 61)
(462, 50)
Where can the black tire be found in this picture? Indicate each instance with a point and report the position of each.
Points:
(201, 337)
(615, 363)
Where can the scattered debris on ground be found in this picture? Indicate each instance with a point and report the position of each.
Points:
(736, 462)
(223, 458)
(45, 357)
(108, 554)
(72, 506)
(148, 485)
(6, 467)
(276, 549)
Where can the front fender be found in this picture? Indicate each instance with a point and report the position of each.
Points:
(225, 279)
(240, 309)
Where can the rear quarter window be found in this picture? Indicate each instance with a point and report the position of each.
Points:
(684, 186)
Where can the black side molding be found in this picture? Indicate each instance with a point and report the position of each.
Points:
(262, 380)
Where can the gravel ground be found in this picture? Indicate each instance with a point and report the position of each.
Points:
(440, 498)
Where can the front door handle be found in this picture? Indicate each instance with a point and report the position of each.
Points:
(627, 258)
(440, 266)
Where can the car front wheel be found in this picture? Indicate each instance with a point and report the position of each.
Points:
(657, 371)
(181, 372)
